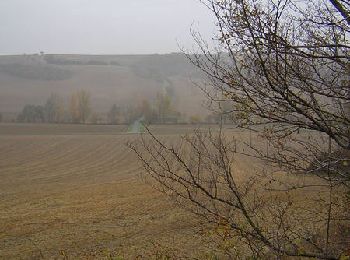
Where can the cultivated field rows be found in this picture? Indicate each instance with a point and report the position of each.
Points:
(80, 194)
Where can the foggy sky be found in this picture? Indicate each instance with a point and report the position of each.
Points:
(100, 26)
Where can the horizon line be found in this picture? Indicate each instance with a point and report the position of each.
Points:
(92, 54)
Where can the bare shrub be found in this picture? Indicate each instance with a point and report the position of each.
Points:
(283, 68)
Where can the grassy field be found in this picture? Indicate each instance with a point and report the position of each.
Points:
(73, 190)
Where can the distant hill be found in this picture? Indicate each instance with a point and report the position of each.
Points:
(121, 79)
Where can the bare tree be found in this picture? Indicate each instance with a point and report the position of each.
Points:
(163, 106)
(54, 109)
(80, 107)
(114, 115)
(283, 65)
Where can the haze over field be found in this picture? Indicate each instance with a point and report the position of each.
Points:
(123, 57)
(110, 79)
(175, 129)
(121, 31)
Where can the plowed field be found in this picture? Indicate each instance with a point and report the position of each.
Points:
(75, 191)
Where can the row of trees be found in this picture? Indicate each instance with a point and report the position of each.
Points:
(54, 110)
(161, 111)
(79, 111)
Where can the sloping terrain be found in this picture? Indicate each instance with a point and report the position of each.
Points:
(120, 79)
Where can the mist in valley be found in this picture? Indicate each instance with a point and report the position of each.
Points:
(174, 129)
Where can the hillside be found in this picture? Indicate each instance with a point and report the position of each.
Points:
(121, 79)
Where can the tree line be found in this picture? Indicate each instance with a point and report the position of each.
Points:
(54, 110)
(78, 110)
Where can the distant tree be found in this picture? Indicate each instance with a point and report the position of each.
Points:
(146, 110)
(80, 107)
(163, 106)
(84, 105)
(142, 110)
(74, 108)
(129, 114)
(95, 118)
(54, 110)
(32, 114)
(114, 115)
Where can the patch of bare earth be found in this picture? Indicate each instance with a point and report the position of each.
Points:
(76, 191)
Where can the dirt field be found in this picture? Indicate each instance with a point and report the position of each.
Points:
(75, 191)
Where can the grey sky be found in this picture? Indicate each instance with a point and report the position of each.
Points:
(100, 26)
